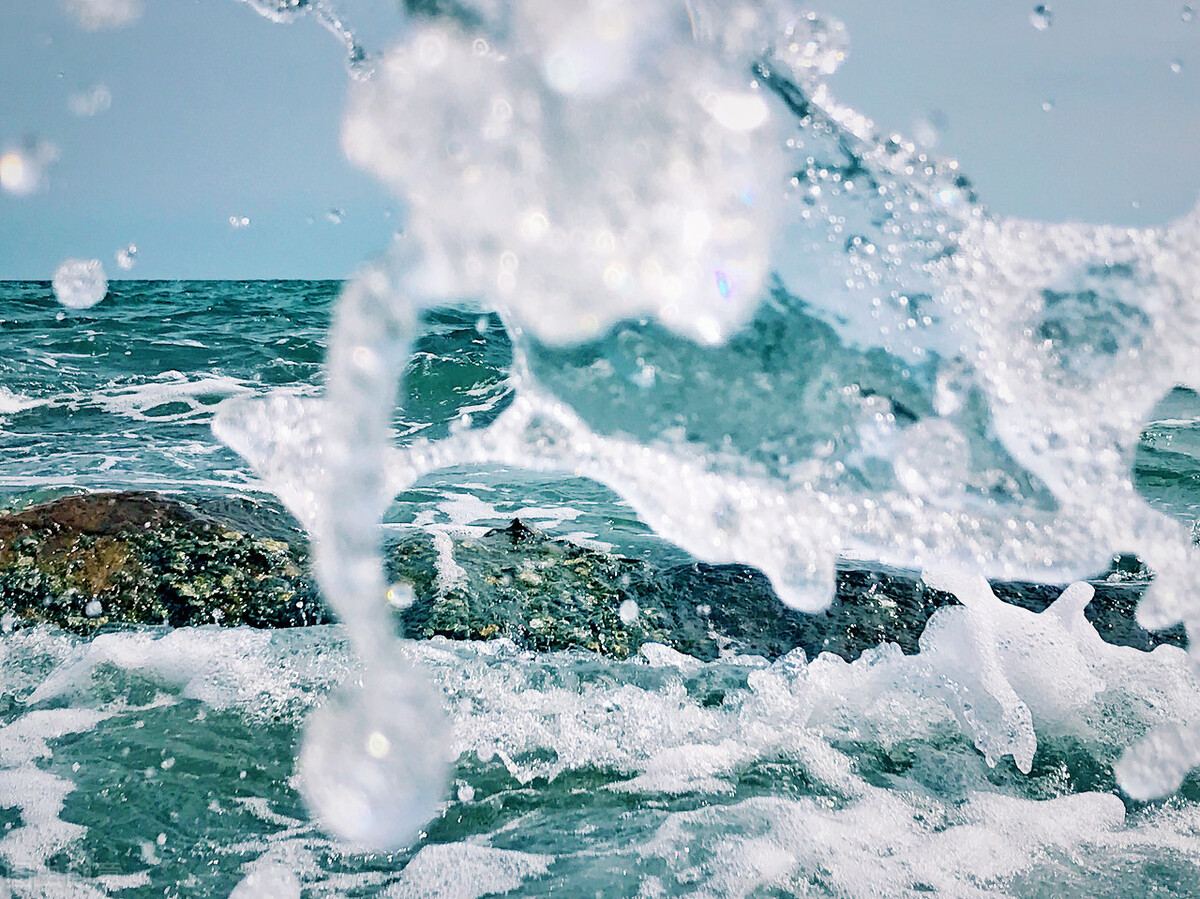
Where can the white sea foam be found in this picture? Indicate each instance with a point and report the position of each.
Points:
(11, 403)
(942, 822)
(137, 400)
(465, 871)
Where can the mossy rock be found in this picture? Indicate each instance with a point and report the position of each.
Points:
(102, 560)
(85, 562)
(547, 594)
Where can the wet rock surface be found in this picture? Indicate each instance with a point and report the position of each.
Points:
(87, 562)
(102, 560)
(542, 593)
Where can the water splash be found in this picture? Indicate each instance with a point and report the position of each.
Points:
(102, 15)
(847, 354)
(90, 102)
(127, 257)
(1042, 17)
(80, 283)
(359, 63)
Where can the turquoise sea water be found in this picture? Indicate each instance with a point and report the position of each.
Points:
(150, 763)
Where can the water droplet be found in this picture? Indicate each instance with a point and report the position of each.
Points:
(102, 15)
(1187, 14)
(93, 609)
(813, 45)
(23, 169)
(1176, 66)
(80, 283)
(127, 257)
(1047, 105)
(374, 762)
(466, 793)
(629, 612)
(239, 221)
(93, 101)
(1042, 17)
(335, 216)
(400, 596)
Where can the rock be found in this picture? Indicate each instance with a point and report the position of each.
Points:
(518, 583)
(95, 561)
(547, 594)
(86, 562)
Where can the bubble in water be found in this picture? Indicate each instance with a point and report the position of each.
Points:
(628, 612)
(239, 221)
(127, 257)
(93, 101)
(1042, 17)
(99, 15)
(80, 283)
(1176, 66)
(376, 758)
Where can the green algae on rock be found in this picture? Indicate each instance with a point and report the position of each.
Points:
(516, 582)
(83, 562)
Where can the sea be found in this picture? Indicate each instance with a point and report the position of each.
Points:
(657, 293)
(155, 762)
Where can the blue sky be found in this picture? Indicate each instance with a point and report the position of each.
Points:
(217, 112)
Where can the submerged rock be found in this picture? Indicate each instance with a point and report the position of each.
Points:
(84, 562)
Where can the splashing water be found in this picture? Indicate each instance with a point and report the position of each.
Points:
(782, 336)
(101, 15)
(358, 62)
(127, 257)
(90, 102)
(80, 283)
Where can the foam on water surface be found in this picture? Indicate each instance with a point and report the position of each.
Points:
(694, 779)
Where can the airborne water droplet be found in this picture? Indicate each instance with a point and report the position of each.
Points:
(1176, 66)
(80, 283)
(1042, 17)
(127, 257)
(1186, 14)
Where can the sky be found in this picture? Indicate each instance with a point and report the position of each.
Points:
(216, 112)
